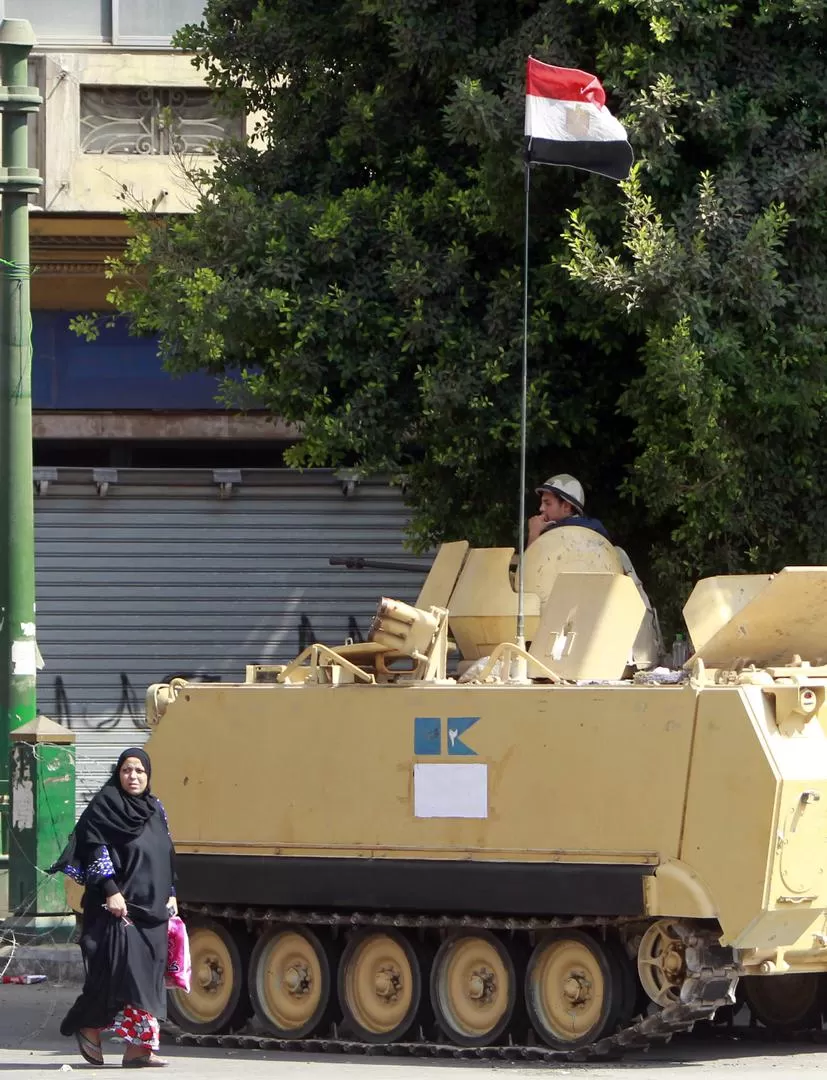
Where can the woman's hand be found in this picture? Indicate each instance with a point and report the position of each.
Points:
(172, 904)
(116, 905)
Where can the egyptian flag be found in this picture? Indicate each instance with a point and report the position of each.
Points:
(567, 122)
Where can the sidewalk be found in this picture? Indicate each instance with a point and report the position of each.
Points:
(31, 1043)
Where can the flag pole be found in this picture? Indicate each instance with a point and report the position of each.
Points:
(523, 422)
(551, 93)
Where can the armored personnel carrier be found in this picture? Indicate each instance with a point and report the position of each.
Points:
(544, 850)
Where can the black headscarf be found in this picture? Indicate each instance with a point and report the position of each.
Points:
(125, 959)
(113, 817)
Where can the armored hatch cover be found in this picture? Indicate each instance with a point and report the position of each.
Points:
(759, 619)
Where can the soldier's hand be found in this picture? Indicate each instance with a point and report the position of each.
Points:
(536, 525)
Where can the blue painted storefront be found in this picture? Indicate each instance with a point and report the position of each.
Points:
(117, 371)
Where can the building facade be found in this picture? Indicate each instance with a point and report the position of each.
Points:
(170, 539)
(123, 116)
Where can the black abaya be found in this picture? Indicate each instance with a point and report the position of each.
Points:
(125, 958)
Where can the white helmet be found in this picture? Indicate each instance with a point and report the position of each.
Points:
(567, 488)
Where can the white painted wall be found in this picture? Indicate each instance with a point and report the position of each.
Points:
(93, 183)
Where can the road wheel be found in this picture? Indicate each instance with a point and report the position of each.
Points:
(218, 1000)
(380, 985)
(786, 1003)
(473, 988)
(661, 962)
(574, 990)
(290, 982)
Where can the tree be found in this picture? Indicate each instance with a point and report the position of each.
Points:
(722, 272)
(361, 262)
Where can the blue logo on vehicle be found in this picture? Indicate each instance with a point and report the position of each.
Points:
(428, 736)
(457, 726)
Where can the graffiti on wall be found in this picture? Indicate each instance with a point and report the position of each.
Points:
(127, 706)
(308, 636)
(128, 709)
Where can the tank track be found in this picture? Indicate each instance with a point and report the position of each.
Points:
(710, 985)
(359, 919)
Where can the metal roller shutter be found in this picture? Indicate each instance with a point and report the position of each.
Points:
(161, 576)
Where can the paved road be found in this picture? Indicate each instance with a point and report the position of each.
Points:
(30, 1044)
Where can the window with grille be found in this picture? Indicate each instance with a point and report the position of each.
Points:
(152, 120)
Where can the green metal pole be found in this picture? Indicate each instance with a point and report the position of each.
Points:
(18, 650)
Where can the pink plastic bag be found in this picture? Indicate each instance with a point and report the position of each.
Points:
(179, 966)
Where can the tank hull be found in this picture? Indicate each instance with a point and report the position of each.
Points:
(527, 800)
(545, 843)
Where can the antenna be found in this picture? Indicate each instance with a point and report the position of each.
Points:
(523, 425)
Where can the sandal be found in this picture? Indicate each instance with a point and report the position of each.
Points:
(145, 1061)
(88, 1050)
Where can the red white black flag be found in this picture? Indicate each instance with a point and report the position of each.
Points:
(567, 122)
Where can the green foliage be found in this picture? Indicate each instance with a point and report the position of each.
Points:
(721, 268)
(361, 262)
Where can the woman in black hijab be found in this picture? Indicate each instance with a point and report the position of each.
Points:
(122, 852)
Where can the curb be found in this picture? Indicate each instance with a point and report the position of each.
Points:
(62, 964)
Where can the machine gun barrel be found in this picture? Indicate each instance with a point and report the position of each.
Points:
(357, 562)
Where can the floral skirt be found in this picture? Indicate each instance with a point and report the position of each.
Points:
(134, 1025)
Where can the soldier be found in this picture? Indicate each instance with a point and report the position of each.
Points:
(562, 502)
